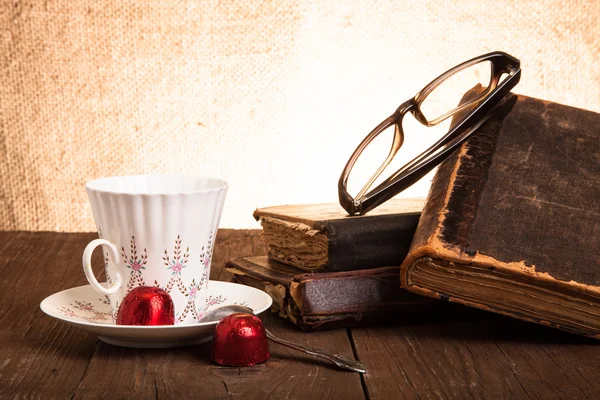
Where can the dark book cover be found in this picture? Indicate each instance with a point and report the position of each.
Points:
(330, 300)
(512, 221)
(322, 237)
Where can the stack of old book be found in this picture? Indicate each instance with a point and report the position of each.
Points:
(511, 226)
(325, 269)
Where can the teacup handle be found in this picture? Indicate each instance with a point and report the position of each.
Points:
(87, 265)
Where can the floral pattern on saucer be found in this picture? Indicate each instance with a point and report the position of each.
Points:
(82, 308)
(99, 311)
(88, 311)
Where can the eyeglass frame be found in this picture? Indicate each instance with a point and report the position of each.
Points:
(410, 173)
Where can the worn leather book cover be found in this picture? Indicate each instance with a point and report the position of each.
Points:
(512, 221)
(322, 237)
(330, 300)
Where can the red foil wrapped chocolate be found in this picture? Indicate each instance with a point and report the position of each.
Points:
(240, 340)
(146, 305)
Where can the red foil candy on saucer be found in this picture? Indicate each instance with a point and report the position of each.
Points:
(240, 340)
(146, 305)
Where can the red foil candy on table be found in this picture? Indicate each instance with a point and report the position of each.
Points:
(146, 305)
(240, 340)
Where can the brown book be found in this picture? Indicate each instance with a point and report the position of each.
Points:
(322, 237)
(330, 300)
(512, 221)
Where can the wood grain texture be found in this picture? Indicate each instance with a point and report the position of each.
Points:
(477, 355)
(188, 372)
(464, 354)
(39, 355)
(43, 358)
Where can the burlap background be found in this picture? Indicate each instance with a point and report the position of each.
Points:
(269, 95)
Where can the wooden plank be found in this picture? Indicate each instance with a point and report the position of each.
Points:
(477, 355)
(39, 356)
(188, 372)
(469, 354)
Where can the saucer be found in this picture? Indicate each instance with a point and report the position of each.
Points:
(89, 310)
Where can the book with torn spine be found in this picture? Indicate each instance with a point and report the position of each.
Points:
(322, 237)
(330, 300)
(512, 221)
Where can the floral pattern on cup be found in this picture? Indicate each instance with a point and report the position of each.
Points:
(136, 263)
(176, 261)
(205, 259)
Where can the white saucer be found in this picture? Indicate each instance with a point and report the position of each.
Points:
(85, 308)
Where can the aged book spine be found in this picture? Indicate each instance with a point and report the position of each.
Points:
(340, 245)
(329, 300)
(456, 188)
(370, 242)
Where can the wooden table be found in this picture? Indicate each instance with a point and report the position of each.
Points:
(470, 354)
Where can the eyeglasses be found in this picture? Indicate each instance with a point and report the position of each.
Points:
(427, 109)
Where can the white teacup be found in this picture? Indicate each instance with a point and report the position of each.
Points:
(159, 231)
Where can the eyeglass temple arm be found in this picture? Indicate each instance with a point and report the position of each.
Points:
(464, 106)
(498, 68)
